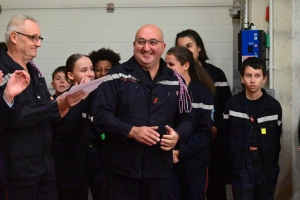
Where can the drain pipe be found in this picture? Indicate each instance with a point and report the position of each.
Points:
(246, 20)
(271, 68)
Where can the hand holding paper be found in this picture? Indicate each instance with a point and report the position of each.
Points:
(87, 87)
(66, 101)
(76, 94)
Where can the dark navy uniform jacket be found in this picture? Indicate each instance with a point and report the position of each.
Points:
(130, 98)
(239, 128)
(76, 134)
(223, 92)
(218, 146)
(25, 139)
(195, 152)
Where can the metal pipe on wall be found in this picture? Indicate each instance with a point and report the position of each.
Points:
(271, 68)
(246, 20)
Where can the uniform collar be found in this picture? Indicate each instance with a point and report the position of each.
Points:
(137, 71)
(193, 83)
(11, 66)
(9, 62)
(242, 99)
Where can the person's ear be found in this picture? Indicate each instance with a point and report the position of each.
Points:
(199, 49)
(70, 76)
(186, 66)
(265, 79)
(242, 79)
(13, 36)
(164, 46)
(52, 84)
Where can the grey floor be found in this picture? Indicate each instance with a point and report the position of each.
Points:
(90, 195)
(229, 192)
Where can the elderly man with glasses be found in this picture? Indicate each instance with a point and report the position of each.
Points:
(139, 108)
(26, 167)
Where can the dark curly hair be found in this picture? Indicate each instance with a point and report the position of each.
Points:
(105, 54)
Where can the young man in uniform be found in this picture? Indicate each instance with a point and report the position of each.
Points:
(253, 126)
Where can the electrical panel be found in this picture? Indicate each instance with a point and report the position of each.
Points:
(251, 43)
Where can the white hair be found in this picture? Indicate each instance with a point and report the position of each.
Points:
(16, 23)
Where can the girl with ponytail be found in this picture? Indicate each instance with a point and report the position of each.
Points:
(191, 158)
(216, 189)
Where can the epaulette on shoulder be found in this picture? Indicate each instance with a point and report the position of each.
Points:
(5, 78)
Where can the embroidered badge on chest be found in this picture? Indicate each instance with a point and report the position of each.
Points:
(129, 79)
(251, 119)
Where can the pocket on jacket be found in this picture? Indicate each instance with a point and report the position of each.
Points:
(20, 168)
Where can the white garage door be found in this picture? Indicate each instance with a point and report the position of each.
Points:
(81, 26)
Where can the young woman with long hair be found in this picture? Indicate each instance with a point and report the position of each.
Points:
(191, 158)
(216, 189)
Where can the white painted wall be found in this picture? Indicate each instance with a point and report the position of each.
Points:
(84, 25)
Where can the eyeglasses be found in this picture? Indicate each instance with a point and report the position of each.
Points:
(33, 38)
(151, 42)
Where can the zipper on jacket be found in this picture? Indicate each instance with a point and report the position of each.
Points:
(247, 149)
(137, 90)
(137, 93)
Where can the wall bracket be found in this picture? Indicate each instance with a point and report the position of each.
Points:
(110, 8)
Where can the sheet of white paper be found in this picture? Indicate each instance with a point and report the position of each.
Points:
(87, 87)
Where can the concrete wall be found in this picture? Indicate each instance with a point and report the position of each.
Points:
(286, 83)
(296, 97)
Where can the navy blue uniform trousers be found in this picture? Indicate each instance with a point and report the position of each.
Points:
(42, 191)
(94, 179)
(118, 187)
(253, 184)
(189, 187)
(2, 192)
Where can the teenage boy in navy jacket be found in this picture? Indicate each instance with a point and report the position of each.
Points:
(252, 121)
